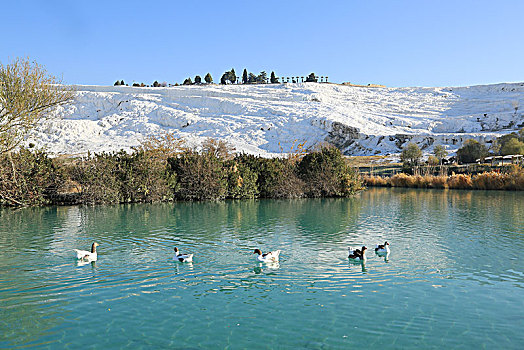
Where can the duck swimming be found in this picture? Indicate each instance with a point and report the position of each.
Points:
(267, 257)
(86, 255)
(183, 257)
(358, 254)
(382, 248)
(352, 251)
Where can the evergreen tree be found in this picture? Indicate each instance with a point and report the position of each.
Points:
(311, 78)
(244, 76)
(188, 81)
(410, 155)
(262, 78)
(232, 76)
(122, 82)
(470, 151)
(117, 83)
(156, 84)
(208, 78)
(198, 80)
(273, 79)
(223, 79)
(251, 79)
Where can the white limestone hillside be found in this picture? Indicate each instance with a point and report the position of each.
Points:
(266, 119)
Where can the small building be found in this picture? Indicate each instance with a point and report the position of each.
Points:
(501, 160)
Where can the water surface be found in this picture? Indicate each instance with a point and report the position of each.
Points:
(454, 277)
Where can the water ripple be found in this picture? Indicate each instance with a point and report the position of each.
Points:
(445, 259)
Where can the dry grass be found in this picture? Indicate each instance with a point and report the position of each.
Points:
(489, 180)
(438, 182)
(375, 181)
(460, 181)
(361, 161)
(513, 180)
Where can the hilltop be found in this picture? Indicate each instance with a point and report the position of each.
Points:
(267, 119)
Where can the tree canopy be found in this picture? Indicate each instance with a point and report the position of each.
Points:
(440, 152)
(27, 93)
(411, 155)
(273, 79)
(244, 76)
(513, 146)
(470, 151)
(311, 78)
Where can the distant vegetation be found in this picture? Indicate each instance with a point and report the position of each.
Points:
(417, 174)
(230, 77)
(471, 151)
(162, 169)
(513, 179)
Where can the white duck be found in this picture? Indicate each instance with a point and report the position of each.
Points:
(382, 248)
(358, 254)
(85, 255)
(183, 257)
(267, 257)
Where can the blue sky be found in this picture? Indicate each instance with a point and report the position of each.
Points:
(396, 43)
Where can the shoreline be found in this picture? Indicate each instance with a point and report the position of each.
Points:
(490, 181)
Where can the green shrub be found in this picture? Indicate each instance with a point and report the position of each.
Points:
(198, 176)
(325, 174)
(26, 177)
(143, 177)
(97, 175)
(242, 182)
(276, 177)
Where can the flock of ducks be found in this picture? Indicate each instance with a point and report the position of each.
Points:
(360, 254)
(356, 255)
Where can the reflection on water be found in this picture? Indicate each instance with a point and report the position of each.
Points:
(452, 253)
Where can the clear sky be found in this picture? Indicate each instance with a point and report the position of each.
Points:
(396, 43)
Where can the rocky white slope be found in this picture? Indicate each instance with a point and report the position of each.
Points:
(267, 119)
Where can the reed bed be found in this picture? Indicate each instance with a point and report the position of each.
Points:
(512, 180)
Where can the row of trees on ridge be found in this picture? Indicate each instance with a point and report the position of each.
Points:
(230, 77)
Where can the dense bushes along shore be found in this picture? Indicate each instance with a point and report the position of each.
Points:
(156, 172)
(512, 180)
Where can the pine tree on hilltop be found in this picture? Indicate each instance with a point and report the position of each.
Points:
(244, 76)
(198, 80)
(117, 83)
(223, 79)
(262, 78)
(273, 79)
(232, 76)
(188, 81)
(251, 79)
(156, 84)
(122, 82)
(311, 78)
(208, 78)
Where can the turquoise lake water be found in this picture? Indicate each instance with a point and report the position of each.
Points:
(454, 278)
